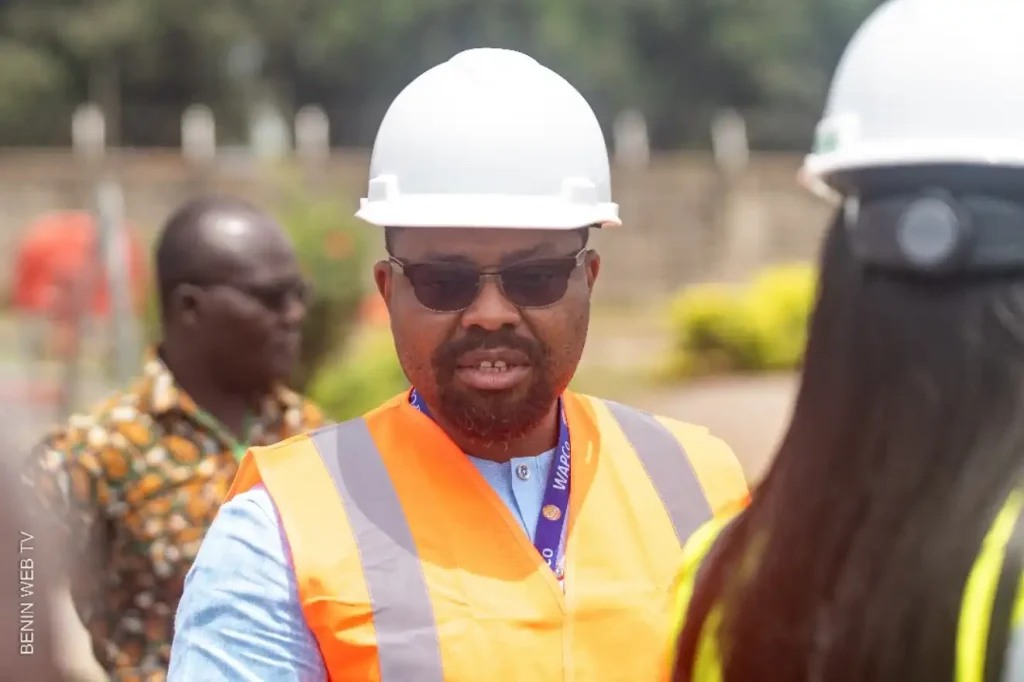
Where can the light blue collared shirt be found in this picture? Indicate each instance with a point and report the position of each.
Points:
(240, 620)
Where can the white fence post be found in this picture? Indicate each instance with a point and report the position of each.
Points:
(312, 134)
(632, 148)
(88, 131)
(198, 134)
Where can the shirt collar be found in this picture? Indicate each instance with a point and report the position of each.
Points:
(159, 393)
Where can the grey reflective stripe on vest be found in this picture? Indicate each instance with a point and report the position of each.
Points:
(667, 466)
(1013, 670)
(403, 615)
(1004, 602)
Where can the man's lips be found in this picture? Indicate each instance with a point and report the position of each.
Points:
(497, 369)
(288, 341)
(492, 358)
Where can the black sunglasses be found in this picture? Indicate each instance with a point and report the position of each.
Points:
(271, 296)
(452, 287)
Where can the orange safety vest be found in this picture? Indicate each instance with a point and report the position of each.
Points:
(409, 566)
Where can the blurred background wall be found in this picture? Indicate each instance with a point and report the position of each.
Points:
(676, 210)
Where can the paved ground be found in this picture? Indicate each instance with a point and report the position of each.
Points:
(749, 413)
(625, 347)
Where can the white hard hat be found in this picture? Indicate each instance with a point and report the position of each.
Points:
(489, 138)
(925, 82)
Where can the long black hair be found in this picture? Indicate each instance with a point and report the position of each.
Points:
(906, 438)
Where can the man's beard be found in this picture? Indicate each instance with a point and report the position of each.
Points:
(495, 416)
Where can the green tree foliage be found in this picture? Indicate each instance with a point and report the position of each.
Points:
(676, 60)
(332, 250)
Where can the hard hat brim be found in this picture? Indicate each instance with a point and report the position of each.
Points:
(487, 211)
(818, 169)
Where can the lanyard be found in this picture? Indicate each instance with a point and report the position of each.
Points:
(238, 447)
(551, 521)
(242, 446)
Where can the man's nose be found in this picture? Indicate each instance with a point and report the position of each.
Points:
(294, 308)
(490, 310)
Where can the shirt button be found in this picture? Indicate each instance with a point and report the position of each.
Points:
(559, 573)
(523, 472)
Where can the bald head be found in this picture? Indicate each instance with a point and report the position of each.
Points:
(232, 295)
(212, 239)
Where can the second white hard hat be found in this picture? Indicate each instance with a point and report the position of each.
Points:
(926, 82)
(490, 138)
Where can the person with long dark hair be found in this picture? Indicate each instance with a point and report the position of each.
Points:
(884, 544)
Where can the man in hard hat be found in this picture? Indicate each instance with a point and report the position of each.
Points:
(489, 524)
(136, 481)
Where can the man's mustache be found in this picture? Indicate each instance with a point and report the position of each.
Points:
(448, 354)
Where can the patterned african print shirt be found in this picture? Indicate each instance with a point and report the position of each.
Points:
(136, 484)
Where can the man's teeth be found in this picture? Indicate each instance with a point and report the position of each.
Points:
(497, 366)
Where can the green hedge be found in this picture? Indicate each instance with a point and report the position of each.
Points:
(332, 249)
(759, 327)
(361, 379)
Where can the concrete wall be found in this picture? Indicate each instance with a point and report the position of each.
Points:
(683, 221)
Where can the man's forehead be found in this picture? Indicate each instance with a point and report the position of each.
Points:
(240, 243)
(482, 245)
(240, 232)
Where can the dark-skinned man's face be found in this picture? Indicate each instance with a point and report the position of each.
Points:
(248, 313)
(491, 361)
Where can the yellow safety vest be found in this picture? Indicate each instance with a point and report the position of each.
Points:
(986, 623)
(408, 567)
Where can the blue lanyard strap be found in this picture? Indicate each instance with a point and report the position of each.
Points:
(551, 522)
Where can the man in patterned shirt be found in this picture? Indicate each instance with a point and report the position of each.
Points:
(137, 482)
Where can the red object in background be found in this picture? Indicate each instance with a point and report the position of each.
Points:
(58, 256)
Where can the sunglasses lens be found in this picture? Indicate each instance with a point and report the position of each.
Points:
(278, 297)
(538, 284)
(444, 288)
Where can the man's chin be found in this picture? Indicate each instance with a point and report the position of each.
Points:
(281, 367)
(493, 416)
(510, 400)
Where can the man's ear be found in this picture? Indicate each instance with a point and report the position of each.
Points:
(593, 266)
(383, 278)
(185, 302)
